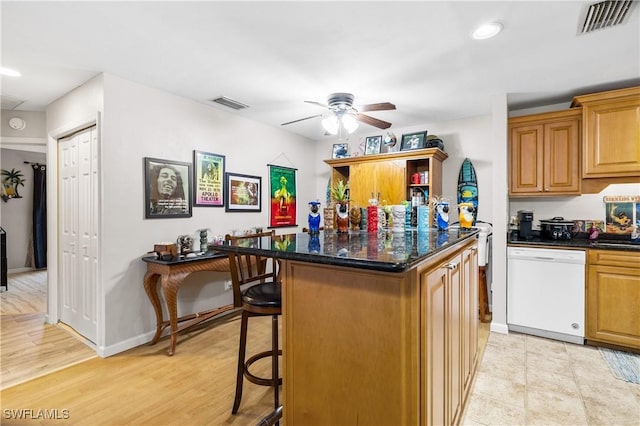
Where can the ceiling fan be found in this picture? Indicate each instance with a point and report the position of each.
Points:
(343, 115)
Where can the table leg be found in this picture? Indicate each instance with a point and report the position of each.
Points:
(170, 285)
(151, 288)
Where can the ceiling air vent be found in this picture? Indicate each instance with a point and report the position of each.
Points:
(605, 14)
(230, 103)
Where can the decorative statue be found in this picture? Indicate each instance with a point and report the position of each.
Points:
(314, 217)
(340, 195)
(466, 215)
(203, 239)
(441, 208)
(354, 218)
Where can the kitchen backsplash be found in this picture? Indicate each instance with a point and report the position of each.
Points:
(583, 207)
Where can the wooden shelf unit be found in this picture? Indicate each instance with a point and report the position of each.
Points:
(388, 175)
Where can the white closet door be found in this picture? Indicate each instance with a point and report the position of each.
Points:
(78, 186)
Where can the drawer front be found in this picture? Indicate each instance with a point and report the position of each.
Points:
(625, 259)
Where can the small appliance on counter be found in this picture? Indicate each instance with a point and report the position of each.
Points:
(525, 219)
(556, 229)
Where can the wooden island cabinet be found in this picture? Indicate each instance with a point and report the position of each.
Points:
(377, 328)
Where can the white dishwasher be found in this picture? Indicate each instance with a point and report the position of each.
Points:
(545, 292)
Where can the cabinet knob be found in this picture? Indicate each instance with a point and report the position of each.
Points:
(539, 189)
(546, 189)
(452, 266)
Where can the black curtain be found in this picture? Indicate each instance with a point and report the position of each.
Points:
(39, 215)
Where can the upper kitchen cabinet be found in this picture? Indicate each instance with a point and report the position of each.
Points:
(611, 133)
(388, 175)
(544, 154)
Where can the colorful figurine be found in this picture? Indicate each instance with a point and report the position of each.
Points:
(466, 215)
(314, 217)
(442, 214)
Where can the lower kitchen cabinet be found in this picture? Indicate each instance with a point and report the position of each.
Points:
(613, 298)
(450, 324)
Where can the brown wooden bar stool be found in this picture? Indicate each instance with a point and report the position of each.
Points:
(261, 299)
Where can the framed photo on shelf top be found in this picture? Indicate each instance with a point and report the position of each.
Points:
(340, 150)
(372, 145)
(242, 193)
(413, 141)
(167, 189)
(208, 179)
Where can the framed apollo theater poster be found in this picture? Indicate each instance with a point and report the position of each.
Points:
(167, 188)
(208, 179)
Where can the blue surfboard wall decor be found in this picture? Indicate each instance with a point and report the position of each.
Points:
(468, 186)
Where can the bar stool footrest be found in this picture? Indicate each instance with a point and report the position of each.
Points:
(255, 379)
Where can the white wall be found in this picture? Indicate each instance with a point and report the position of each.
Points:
(582, 207)
(137, 122)
(16, 213)
(469, 137)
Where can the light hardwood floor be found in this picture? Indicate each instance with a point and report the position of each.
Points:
(141, 386)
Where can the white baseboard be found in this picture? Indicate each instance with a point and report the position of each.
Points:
(19, 270)
(125, 345)
(499, 328)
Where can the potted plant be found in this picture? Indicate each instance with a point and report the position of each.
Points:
(339, 193)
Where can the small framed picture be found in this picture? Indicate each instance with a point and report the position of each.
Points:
(208, 175)
(340, 150)
(372, 145)
(413, 141)
(167, 189)
(242, 193)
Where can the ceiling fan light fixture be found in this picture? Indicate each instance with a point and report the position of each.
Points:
(331, 124)
(487, 30)
(349, 123)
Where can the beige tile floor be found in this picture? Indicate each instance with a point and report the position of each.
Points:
(528, 380)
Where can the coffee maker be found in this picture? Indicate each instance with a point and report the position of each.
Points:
(525, 219)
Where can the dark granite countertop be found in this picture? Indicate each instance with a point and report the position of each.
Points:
(152, 258)
(581, 240)
(384, 251)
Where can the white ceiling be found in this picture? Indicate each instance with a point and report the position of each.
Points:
(274, 55)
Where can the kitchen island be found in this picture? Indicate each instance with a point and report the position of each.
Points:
(378, 328)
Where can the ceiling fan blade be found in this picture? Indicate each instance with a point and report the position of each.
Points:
(380, 124)
(301, 119)
(382, 106)
(318, 103)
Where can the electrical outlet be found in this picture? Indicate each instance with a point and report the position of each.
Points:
(227, 285)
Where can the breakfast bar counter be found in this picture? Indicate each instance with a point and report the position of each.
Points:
(378, 328)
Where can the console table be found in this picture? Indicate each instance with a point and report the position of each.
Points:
(171, 274)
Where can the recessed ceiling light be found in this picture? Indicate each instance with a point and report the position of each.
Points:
(9, 72)
(485, 31)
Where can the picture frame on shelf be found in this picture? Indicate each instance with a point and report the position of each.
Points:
(372, 145)
(208, 179)
(243, 193)
(340, 150)
(167, 189)
(412, 141)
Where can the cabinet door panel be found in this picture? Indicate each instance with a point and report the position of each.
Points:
(434, 347)
(612, 132)
(526, 161)
(455, 341)
(561, 154)
(384, 178)
(613, 305)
